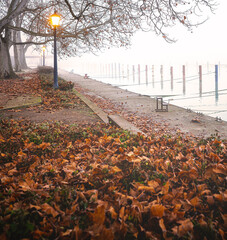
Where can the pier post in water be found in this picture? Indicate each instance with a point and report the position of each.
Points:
(139, 73)
(171, 75)
(146, 75)
(133, 73)
(184, 83)
(161, 71)
(200, 80)
(216, 82)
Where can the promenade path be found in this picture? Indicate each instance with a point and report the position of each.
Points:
(143, 107)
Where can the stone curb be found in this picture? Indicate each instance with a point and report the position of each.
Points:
(124, 124)
(93, 107)
(109, 119)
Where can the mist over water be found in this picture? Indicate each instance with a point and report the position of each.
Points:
(159, 80)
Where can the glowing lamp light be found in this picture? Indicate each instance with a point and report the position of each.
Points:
(55, 20)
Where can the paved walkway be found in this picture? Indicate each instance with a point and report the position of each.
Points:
(175, 118)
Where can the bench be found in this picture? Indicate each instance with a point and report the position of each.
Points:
(161, 106)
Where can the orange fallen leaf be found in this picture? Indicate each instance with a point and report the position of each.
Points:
(98, 216)
(157, 210)
(49, 210)
(186, 226)
(162, 226)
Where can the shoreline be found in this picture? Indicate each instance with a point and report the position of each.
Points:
(140, 106)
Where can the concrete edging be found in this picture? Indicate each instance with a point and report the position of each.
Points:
(109, 119)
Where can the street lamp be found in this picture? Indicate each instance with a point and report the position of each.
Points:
(55, 22)
(44, 49)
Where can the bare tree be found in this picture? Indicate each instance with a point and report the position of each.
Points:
(9, 11)
(92, 25)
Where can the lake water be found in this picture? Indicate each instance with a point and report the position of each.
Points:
(202, 96)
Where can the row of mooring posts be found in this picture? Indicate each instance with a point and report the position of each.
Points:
(118, 71)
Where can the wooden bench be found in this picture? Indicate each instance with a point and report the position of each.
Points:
(161, 106)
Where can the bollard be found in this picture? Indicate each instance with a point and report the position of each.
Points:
(200, 80)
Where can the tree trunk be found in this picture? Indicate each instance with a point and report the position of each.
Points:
(19, 53)
(6, 69)
(22, 59)
(17, 67)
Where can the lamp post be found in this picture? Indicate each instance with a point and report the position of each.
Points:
(55, 21)
(44, 49)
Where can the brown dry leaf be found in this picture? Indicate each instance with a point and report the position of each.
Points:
(44, 145)
(64, 153)
(34, 206)
(210, 200)
(185, 227)
(146, 188)
(121, 150)
(25, 187)
(98, 216)
(165, 188)
(195, 202)
(162, 226)
(21, 154)
(69, 145)
(113, 213)
(214, 157)
(106, 234)
(115, 169)
(67, 233)
(220, 169)
(153, 184)
(49, 210)
(122, 212)
(12, 172)
(157, 210)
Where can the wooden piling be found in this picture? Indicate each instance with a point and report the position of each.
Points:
(161, 72)
(146, 75)
(171, 75)
(127, 72)
(184, 83)
(200, 80)
(216, 82)
(133, 73)
(139, 73)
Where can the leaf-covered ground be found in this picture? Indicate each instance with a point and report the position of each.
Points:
(63, 182)
(57, 105)
(60, 181)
